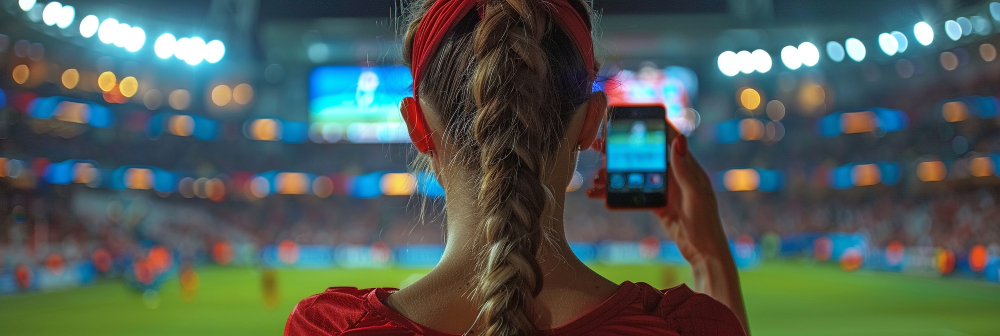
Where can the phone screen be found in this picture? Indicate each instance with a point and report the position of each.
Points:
(636, 150)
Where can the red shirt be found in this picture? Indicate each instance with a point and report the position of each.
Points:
(635, 309)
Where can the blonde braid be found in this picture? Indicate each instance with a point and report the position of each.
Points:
(516, 130)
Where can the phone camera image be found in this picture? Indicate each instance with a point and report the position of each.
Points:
(637, 157)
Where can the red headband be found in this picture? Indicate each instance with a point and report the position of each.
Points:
(442, 18)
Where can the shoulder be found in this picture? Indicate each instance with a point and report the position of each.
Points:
(691, 313)
(329, 313)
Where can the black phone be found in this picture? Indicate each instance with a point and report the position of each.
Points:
(636, 161)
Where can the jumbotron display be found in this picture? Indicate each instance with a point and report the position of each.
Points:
(359, 104)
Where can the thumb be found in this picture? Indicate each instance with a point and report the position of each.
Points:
(684, 169)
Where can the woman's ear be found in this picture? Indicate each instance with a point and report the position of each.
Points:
(597, 110)
(416, 124)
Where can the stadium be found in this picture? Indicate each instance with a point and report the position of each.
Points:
(199, 167)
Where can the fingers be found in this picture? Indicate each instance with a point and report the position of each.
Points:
(685, 169)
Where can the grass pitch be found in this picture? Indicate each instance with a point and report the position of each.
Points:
(783, 298)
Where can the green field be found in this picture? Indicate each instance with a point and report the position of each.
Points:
(787, 298)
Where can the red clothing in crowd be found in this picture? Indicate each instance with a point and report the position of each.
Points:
(635, 309)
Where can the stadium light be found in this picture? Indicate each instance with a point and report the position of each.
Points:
(89, 25)
(26, 5)
(855, 49)
(953, 30)
(727, 64)
(965, 24)
(136, 38)
(107, 31)
(122, 34)
(835, 51)
(924, 33)
(65, 17)
(214, 51)
(746, 62)
(888, 44)
(809, 54)
(164, 46)
(901, 41)
(51, 13)
(195, 52)
(791, 58)
(761, 60)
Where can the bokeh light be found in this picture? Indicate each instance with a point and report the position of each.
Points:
(988, 52)
(775, 110)
(214, 51)
(762, 61)
(888, 44)
(902, 42)
(26, 5)
(835, 51)
(953, 30)
(982, 166)
(65, 17)
(949, 61)
(20, 74)
(129, 86)
(741, 180)
(809, 54)
(965, 24)
(955, 111)
(89, 25)
(164, 46)
(924, 33)
(905, 68)
(193, 50)
(931, 171)
(181, 125)
(222, 95)
(107, 81)
(728, 64)
(855, 49)
(107, 32)
(179, 99)
(751, 129)
(750, 99)
(70, 78)
(243, 94)
(790, 57)
(153, 99)
(51, 13)
(746, 62)
(135, 38)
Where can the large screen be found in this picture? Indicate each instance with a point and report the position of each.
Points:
(359, 104)
(675, 87)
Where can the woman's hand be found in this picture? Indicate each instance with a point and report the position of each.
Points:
(691, 217)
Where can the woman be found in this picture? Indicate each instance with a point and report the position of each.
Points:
(503, 106)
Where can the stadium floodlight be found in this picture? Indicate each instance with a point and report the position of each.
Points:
(835, 51)
(953, 30)
(728, 65)
(855, 49)
(901, 41)
(809, 54)
(965, 24)
(51, 13)
(164, 46)
(26, 5)
(214, 51)
(195, 52)
(122, 34)
(136, 39)
(88, 26)
(888, 44)
(746, 62)
(924, 33)
(761, 61)
(108, 30)
(791, 58)
(66, 17)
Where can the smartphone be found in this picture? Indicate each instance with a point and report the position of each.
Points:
(636, 149)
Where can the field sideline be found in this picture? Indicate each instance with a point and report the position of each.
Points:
(785, 298)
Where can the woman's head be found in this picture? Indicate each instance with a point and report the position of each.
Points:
(505, 94)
